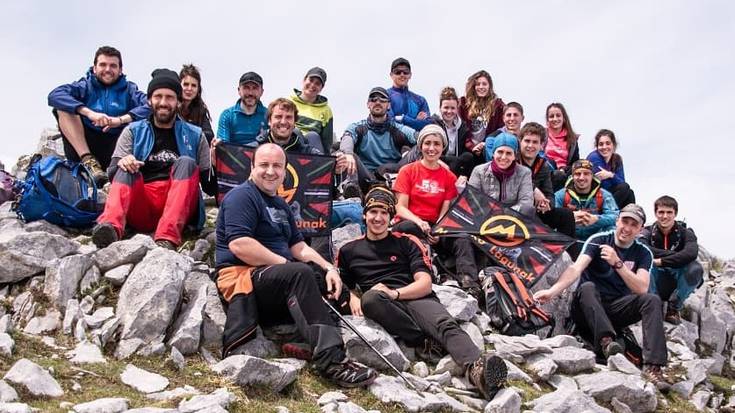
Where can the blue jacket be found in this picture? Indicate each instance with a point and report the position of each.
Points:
(187, 142)
(408, 104)
(608, 210)
(120, 98)
(599, 162)
(239, 128)
(376, 145)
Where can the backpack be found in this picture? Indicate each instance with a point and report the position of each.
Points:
(599, 201)
(57, 191)
(7, 192)
(511, 307)
(398, 138)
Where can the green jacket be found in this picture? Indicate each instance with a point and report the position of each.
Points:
(315, 117)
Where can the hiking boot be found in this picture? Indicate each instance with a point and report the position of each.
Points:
(488, 374)
(655, 375)
(349, 373)
(301, 351)
(98, 174)
(472, 287)
(351, 190)
(672, 316)
(104, 234)
(431, 351)
(164, 243)
(610, 347)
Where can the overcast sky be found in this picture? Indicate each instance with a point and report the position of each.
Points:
(659, 74)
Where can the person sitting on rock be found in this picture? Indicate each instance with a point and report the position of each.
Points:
(594, 208)
(676, 272)
(406, 107)
(93, 110)
(613, 292)
(157, 168)
(243, 122)
(393, 272)
(268, 275)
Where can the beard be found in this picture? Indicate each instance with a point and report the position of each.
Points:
(163, 118)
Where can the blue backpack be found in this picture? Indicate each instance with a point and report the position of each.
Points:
(59, 191)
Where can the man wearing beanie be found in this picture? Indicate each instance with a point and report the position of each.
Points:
(594, 207)
(93, 111)
(613, 293)
(157, 168)
(392, 273)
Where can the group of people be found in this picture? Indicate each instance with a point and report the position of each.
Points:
(402, 166)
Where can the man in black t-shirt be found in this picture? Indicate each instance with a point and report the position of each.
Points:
(156, 169)
(392, 271)
(613, 292)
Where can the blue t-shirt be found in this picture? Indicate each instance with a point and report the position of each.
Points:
(248, 212)
(608, 281)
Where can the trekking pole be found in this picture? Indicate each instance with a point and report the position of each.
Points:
(354, 330)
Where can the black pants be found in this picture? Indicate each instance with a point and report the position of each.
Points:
(558, 179)
(415, 320)
(597, 318)
(292, 292)
(100, 144)
(460, 165)
(623, 195)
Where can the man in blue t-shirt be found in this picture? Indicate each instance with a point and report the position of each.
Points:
(243, 122)
(613, 292)
(268, 275)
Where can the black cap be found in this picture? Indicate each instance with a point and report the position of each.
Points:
(317, 72)
(378, 91)
(400, 62)
(251, 77)
(165, 79)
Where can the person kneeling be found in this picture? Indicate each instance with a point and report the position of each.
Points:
(614, 292)
(392, 270)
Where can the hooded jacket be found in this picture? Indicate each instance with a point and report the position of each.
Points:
(117, 99)
(675, 249)
(516, 192)
(315, 117)
(608, 210)
(405, 103)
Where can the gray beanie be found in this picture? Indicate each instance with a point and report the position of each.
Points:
(431, 129)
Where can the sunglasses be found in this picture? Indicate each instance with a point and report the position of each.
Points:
(401, 72)
(376, 99)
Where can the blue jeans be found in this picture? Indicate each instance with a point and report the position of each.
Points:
(346, 212)
(682, 281)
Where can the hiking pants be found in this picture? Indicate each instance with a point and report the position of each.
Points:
(101, 144)
(414, 320)
(682, 281)
(291, 293)
(623, 195)
(162, 206)
(601, 318)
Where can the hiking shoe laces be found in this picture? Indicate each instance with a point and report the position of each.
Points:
(301, 351)
(672, 316)
(104, 234)
(98, 174)
(655, 375)
(488, 374)
(431, 351)
(349, 374)
(610, 347)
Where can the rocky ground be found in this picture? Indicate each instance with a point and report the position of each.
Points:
(137, 328)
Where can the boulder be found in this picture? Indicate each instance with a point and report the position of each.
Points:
(505, 401)
(6, 345)
(24, 254)
(34, 379)
(142, 380)
(15, 408)
(564, 401)
(541, 365)
(560, 382)
(459, 304)
(107, 331)
(117, 276)
(331, 397)
(562, 341)
(7, 393)
(24, 307)
(177, 393)
(6, 324)
(420, 369)
(685, 333)
(86, 352)
(379, 338)
(474, 332)
(700, 399)
(618, 362)
(177, 359)
(44, 324)
(247, 370)
(188, 326)
(517, 345)
(712, 331)
(63, 276)
(638, 394)
(619, 407)
(389, 389)
(260, 347)
(90, 279)
(573, 360)
(105, 405)
(150, 297)
(99, 317)
(71, 315)
(220, 397)
(214, 317)
(515, 373)
(128, 251)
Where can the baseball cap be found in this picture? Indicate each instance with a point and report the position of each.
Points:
(317, 72)
(378, 91)
(634, 211)
(400, 62)
(251, 77)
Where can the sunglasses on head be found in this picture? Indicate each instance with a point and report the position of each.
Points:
(400, 72)
(376, 99)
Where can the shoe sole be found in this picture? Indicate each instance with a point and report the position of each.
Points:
(496, 373)
(104, 236)
(613, 349)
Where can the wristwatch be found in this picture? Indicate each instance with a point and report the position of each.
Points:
(332, 268)
(618, 265)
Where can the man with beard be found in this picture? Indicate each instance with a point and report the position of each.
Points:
(93, 110)
(374, 146)
(281, 116)
(157, 168)
(243, 122)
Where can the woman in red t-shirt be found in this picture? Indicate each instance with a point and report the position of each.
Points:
(424, 190)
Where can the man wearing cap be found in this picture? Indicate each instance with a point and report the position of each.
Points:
(594, 207)
(268, 275)
(157, 168)
(315, 118)
(376, 142)
(406, 107)
(613, 293)
(93, 111)
(243, 122)
(392, 271)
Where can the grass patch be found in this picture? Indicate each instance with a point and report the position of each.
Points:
(722, 384)
(527, 390)
(676, 404)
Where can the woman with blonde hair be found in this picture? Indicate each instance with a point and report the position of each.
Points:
(482, 110)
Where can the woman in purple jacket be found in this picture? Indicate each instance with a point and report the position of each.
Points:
(608, 168)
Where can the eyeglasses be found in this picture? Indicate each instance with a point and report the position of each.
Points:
(400, 72)
(376, 99)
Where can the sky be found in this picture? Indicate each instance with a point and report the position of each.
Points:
(659, 73)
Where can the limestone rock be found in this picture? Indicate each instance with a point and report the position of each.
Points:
(24, 307)
(712, 330)
(107, 331)
(44, 324)
(105, 405)
(515, 373)
(246, 370)
(564, 401)
(506, 401)
(6, 345)
(71, 315)
(15, 408)
(562, 341)
(638, 394)
(685, 333)
(260, 347)
(447, 364)
(117, 276)
(177, 359)
(86, 305)
(142, 380)
(201, 247)
(518, 345)
(619, 407)
(188, 326)
(420, 369)
(7, 393)
(389, 389)
(99, 317)
(151, 410)
(124, 252)
(176, 393)
(6, 324)
(700, 399)
(34, 379)
(618, 362)
(542, 365)
(560, 382)
(379, 338)
(86, 352)
(220, 397)
(24, 254)
(459, 304)
(474, 332)
(213, 323)
(482, 321)
(331, 397)
(90, 279)
(63, 276)
(572, 360)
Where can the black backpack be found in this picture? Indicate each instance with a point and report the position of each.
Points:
(510, 305)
